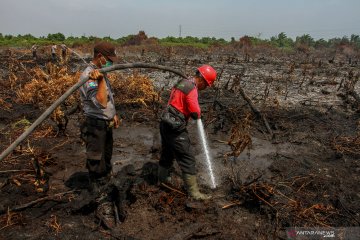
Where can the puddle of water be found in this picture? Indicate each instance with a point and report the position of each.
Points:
(132, 145)
(256, 161)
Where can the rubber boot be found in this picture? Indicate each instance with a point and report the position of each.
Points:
(193, 188)
(164, 175)
(97, 182)
(94, 187)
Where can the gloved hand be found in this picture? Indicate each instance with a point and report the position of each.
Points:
(194, 115)
(96, 75)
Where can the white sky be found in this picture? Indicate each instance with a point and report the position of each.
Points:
(200, 18)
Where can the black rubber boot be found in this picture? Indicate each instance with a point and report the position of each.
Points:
(164, 175)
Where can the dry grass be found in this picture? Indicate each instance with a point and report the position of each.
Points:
(45, 88)
(133, 89)
(240, 137)
(53, 224)
(347, 145)
(10, 219)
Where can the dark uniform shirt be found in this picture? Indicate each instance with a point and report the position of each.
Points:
(92, 108)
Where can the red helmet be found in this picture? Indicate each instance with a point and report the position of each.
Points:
(208, 73)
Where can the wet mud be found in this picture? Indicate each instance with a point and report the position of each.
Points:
(305, 175)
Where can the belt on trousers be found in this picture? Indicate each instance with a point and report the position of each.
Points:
(108, 123)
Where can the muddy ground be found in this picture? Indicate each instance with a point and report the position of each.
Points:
(302, 171)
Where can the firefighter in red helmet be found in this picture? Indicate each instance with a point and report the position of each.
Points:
(183, 105)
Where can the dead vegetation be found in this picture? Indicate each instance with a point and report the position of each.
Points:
(297, 201)
(134, 89)
(46, 86)
(296, 99)
(240, 137)
(347, 145)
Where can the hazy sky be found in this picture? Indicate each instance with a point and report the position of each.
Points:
(200, 18)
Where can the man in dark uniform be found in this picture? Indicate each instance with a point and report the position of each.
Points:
(53, 52)
(100, 115)
(33, 50)
(63, 51)
(182, 105)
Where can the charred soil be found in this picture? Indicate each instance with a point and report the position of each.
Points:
(293, 161)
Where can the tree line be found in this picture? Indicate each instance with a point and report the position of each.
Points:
(280, 41)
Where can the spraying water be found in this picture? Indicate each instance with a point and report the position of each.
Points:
(206, 151)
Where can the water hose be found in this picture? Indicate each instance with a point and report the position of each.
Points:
(57, 103)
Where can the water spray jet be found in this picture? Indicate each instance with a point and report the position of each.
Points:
(205, 148)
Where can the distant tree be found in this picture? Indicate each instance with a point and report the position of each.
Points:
(221, 41)
(333, 42)
(282, 41)
(321, 43)
(206, 40)
(169, 39)
(136, 39)
(93, 38)
(59, 37)
(245, 41)
(306, 40)
(29, 37)
(355, 39)
(108, 38)
(345, 40)
(72, 39)
(152, 40)
(124, 39)
(257, 40)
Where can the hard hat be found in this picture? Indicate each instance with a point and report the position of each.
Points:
(208, 73)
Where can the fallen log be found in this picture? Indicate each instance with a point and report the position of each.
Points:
(256, 111)
(32, 203)
(57, 103)
(16, 170)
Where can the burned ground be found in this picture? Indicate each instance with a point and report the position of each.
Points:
(291, 160)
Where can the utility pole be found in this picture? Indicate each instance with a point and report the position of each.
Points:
(179, 31)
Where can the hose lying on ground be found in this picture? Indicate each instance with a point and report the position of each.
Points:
(57, 103)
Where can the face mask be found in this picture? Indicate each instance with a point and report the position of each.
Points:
(108, 64)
